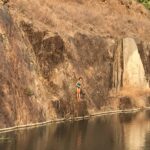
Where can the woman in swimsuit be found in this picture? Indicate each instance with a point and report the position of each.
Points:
(78, 85)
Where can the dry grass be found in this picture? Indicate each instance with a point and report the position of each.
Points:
(110, 18)
(137, 96)
(135, 92)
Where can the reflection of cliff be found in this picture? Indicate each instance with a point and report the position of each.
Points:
(128, 131)
(97, 134)
(135, 132)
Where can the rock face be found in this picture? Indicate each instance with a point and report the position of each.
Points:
(144, 50)
(118, 67)
(128, 68)
(134, 73)
(21, 92)
(39, 69)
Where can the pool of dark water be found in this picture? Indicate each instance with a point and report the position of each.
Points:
(130, 131)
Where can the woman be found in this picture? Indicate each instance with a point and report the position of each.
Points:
(78, 85)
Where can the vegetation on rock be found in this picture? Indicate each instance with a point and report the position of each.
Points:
(146, 3)
(29, 92)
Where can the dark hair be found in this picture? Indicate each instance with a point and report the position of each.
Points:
(80, 78)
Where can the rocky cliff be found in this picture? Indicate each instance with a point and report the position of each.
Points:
(45, 46)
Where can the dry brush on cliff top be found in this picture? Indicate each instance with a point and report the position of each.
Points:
(108, 18)
(146, 3)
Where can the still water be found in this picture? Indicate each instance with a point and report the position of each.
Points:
(130, 131)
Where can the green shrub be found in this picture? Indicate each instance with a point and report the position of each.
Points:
(146, 3)
(29, 92)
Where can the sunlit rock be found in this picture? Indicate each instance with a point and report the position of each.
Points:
(134, 74)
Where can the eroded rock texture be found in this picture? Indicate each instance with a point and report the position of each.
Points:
(128, 67)
(144, 50)
(134, 72)
(21, 90)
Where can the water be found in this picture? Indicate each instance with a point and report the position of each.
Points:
(115, 132)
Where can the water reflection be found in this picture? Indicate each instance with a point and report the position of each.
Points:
(135, 132)
(115, 132)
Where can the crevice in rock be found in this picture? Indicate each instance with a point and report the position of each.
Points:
(118, 67)
(144, 50)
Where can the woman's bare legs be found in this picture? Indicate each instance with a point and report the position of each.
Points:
(78, 94)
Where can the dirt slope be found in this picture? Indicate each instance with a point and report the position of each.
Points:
(45, 45)
(109, 18)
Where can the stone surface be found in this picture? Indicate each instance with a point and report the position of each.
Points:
(134, 73)
(144, 50)
(118, 67)
(125, 103)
